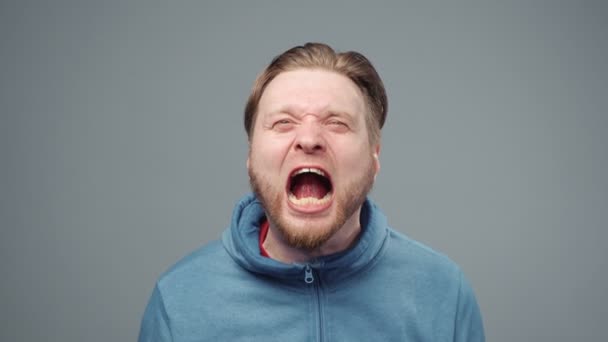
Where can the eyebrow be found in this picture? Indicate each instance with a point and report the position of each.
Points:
(284, 109)
(327, 113)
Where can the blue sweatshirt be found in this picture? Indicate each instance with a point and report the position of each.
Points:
(387, 287)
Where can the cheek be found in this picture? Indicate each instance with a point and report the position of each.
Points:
(356, 152)
(352, 161)
(266, 154)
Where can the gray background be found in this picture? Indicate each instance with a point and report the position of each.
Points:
(122, 149)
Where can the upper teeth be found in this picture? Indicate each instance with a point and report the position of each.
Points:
(309, 169)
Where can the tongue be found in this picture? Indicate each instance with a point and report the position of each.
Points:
(308, 185)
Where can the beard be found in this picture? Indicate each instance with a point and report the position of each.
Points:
(299, 235)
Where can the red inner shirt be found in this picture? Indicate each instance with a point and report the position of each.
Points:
(263, 232)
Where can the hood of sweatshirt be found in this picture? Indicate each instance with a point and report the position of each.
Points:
(241, 241)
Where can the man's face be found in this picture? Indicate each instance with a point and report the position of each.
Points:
(310, 161)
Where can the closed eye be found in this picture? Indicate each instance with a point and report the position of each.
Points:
(282, 124)
(338, 126)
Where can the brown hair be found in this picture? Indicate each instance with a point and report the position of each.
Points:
(320, 56)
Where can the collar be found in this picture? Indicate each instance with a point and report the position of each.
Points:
(264, 226)
(242, 242)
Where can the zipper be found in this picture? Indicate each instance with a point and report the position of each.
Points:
(309, 279)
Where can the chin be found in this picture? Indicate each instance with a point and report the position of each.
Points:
(311, 208)
(309, 233)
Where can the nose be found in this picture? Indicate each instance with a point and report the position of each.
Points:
(309, 138)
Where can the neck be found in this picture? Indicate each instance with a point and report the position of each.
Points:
(344, 238)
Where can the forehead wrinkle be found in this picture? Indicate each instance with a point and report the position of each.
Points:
(302, 110)
(312, 95)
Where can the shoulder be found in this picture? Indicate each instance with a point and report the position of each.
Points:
(418, 259)
(436, 284)
(196, 269)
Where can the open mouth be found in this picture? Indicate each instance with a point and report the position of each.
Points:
(309, 186)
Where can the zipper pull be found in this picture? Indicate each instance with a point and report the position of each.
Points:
(308, 277)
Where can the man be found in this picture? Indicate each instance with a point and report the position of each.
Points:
(308, 257)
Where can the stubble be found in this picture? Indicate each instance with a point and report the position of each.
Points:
(304, 235)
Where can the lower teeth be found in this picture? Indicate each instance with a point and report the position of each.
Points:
(309, 200)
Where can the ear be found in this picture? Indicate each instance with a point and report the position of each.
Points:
(248, 163)
(376, 155)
